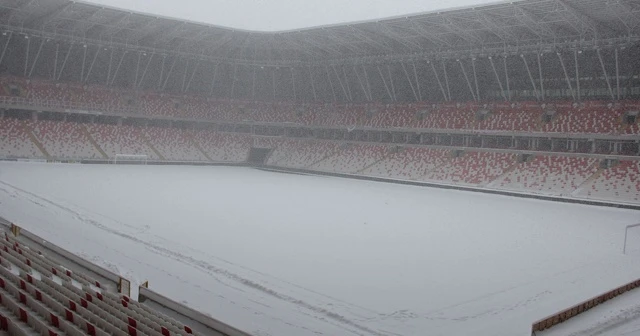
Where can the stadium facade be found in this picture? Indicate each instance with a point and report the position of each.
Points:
(535, 50)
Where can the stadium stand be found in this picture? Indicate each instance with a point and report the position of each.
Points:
(591, 117)
(556, 175)
(621, 182)
(40, 296)
(15, 140)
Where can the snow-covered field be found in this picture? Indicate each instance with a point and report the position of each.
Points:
(279, 254)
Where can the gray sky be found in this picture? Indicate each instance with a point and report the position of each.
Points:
(276, 15)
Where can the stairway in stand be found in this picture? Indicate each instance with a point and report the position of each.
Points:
(85, 130)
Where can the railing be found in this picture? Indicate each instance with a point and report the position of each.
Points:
(67, 106)
(580, 308)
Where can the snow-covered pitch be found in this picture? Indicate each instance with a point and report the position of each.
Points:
(282, 254)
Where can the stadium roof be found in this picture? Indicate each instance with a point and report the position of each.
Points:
(281, 15)
(484, 29)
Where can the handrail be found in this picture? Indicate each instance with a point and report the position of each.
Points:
(581, 307)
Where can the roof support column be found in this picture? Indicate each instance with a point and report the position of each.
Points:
(213, 79)
(617, 75)
(495, 72)
(166, 80)
(193, 73)
(6, 45)
(475, 77)
(55, 62)
(444, 94)
(253, 84)
(93, 62)
(566, 76)
(384, 81)
(604, 71)
(164, 61)
(333, 91)
(464, 72)
(313, 85)
(446, 80)
(542, 95)
(35, 61)
(364, 90)
(506, 75)
(110, 65)
(393, 87)
(415, 74)
(273, 83)
(85, 47)
(293, 84)
(135, 80)
(575, 58)
(233, 80)
(346, 82)
(404, 68)
(64, 63)
(184, 78)
(344, 91)
(533, 83)
(366, 79)
(26, 56)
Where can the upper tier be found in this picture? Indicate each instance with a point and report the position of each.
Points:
(597, 117)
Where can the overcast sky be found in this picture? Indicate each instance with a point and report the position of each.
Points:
(276, 15)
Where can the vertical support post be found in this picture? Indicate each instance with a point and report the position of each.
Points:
(253, 84)
(435, 73)
(330, 83)
(64, 63)
(475, 77)
(110, 65)
(313, 85)
(415, 74)
(506, 75)
(495, 72)
(617, 75)
(366, 79)
(233, 80)
(184, 77)
(466, 78)
(604, 71)
(84, 61)
(293, 83)
(213, 79)
(344, 90)
(55, 61)
(166, 80)
(6, 45)
(384, 81)
(446, 80)
(93, 62)
(533, 83)
(393, 87)
(406, 73)
(26, 56)
(575, 57)
(366, 95)
(346, 82)
(273, 83)
(542, 94)
(35, 61)
(566, 76)
(193, 73)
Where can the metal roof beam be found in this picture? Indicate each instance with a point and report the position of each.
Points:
(425, 34)
(42, 20)
(585, 23)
